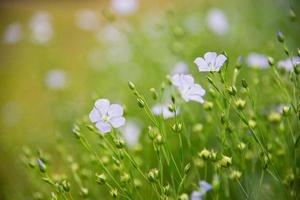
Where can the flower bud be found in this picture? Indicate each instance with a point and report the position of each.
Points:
(240, 104)
(184, 196)
(271, 61)
(119, 143)
(101, 179)
(208, 105)
(238, 64)
(159, 140)
(84, 192)
(252, 124)
(114, 193)
(42, 166)
(131, 85)
(286, 51)
(152, 175)
(171, 107)
(280, 36)
(297, 69)
(225, 161)
(187, 168)
(125, 178)
(141, 103)
(166, 190)
(197, 128)
(286, 110)
(292, 15)
(204, 154)
(274, 117)
(232, 90)
(177, 127)
(153, 93)
(241, 146)
(235, 175)
(53, 196)
(152, 132)
(244, 83)
(137, 183)
(76, 131)
(66, 185)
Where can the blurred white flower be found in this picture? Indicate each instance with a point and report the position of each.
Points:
(12, 34)
(217, 21)
(87, 20)
(211, 62)
(124, 7)
(55, 79)
(289, 64)
(41, 27)
(187, 88)
(180, 68)
(204, 187)
(106, 115)
(257, 60)
(131, 132)
(162, 109)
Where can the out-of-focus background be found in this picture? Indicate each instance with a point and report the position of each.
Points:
(57, 57)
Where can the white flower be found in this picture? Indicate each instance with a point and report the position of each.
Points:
(131, 132)
(257, 60)
(289, 64)
(211, 62)
(162, 109)
(187, 88)
(180, 68)
(217, 21)
(41, 27)
(106, 115)
(12, 34)
(55, 79)
(196, 195)
(87, 20)
(124, 7)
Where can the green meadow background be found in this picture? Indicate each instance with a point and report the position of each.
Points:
(33, 115)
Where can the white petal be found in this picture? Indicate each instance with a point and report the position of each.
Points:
(197, 98)
(176, 80)
(157, 109)
(202, 65)
(197, 89)
(102, 105)
(188, 80)
(196, 195)
(210, 57)
(220, 61)
(117, 122)
(103, 127)
(115, 110)
(94, 115)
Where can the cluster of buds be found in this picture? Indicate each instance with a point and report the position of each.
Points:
(225, 162)
(235, 175)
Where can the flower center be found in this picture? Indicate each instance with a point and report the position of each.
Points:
(105, 118)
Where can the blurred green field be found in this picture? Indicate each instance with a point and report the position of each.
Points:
(32, 114)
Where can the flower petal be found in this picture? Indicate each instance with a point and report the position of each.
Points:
(210, 57)
(115, 110)
(204, 186)
(103, 127)
(94, 115)
(220, 61)
(196, 97)
(197, 89)
(117, 122)
(102, 105)
(202, 65)
(196, 195)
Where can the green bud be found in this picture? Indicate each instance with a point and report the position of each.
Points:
(76, 131)
(66, 185)
(204, 154)
(101, 179)
(286, 51)
(141, 103)
(166, 190)
(53, 196)
(252, 124)
(244, 83)
(232, 90)
(271, 61)
(298, 52)
(153, 93)
(159, 140)
(137, 183)
(241, 146)
(235, 175)
(125, 178)
(240, 104)
(238, 63)
(280, 37)
(223, 118)
(152, 132)
(84, 192)
(177, 127)
(297, 69)
(184, 196)
(197, 128)
(114, 193)
(171, 107)
(208, 105)
(173, 99)
(152, 175)
(225, 161)
(286, 110)
(187, 168)
(131, 85)
(274, 117)
(292, 15)
(119, 143)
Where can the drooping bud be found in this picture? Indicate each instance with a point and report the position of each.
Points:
(166, 190)
(76, 131)
(171, 107)
(286, 110)
(238, 64)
